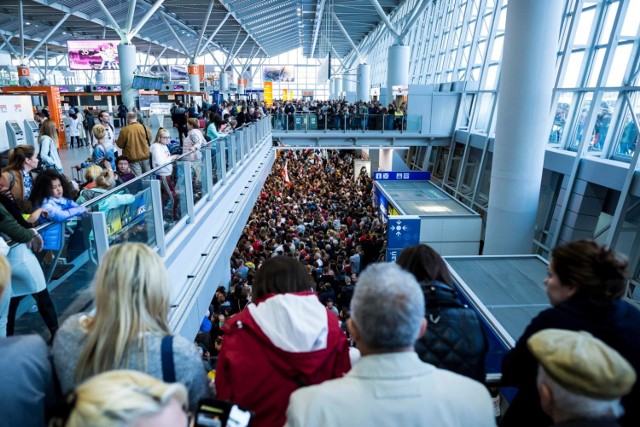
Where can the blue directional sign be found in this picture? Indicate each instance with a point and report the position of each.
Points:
(402, 176)
(402, 231)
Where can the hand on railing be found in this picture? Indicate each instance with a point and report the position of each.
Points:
(36, 243)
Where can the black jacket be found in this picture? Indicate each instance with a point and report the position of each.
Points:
(615, 323)
(455, 339)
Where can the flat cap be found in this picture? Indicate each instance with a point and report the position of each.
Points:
(582, 363)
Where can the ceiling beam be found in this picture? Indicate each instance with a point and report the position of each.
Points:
(145, 19)
(316, 26)
(385, 19)
(345, 33)
(214, 33)
(202, 30)
(112, 21)
(48, 36)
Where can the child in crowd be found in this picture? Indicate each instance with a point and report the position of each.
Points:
(124, 173)
(102, 155)
(103, 183)
(90, 176)
(53, 193)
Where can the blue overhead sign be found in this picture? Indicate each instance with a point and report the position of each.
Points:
(402, 176)
(402, 231)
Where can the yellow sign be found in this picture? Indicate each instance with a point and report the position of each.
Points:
(268, 93)
(285, 92)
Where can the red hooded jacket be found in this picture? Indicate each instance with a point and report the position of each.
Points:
(258, 374)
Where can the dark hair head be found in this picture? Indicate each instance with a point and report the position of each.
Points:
(425, 264)
(594, 271)
(18, 155)
(122, 158)
(280, 275)
(42, 187)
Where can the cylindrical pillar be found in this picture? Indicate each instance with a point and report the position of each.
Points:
(332, 89)
(338, 81)
(194, 78)
(224, 83)
(364, 82)
(24, 75)
(528, 72)
(128, 66)
(397, 69)
(349, 86)
(99, 78)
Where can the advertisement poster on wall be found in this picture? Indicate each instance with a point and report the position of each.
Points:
(268, 93)
(93, 54)
(178, 73)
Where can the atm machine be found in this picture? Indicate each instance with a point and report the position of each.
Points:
(31, 129)
(15, 134)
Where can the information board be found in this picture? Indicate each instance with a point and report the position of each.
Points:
(163, 108)
(402, 176)
(402, 231)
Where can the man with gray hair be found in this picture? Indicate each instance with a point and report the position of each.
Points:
(390, 385)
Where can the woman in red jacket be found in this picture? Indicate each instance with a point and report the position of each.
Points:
(286, 340)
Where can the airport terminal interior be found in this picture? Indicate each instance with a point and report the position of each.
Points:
(216, 138)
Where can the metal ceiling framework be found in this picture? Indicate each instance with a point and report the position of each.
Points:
(190, 28)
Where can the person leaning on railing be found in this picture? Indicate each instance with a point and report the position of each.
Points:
(24, 263)
(129, 328)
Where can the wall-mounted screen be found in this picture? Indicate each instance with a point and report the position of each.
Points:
(64, 88)
(178, 73)
(93, 54)
(147, 82)
(278, 74)
(178, 87)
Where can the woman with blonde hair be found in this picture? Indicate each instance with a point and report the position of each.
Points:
(160, 155)
(104, 182)
(102, 154)
(126, 398)
(48, 141)
(129, 329)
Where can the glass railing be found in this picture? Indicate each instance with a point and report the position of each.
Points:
(141, 210)
(305, 122)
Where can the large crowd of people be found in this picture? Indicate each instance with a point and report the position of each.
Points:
(311, 326)
(338, 115)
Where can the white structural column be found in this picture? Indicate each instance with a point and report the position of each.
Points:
(397, 68)
(349, 87)
(364, 82)
(128, 66)
(99, 77)
(524, 99)
(338, 83)
(224, 83)
(332, 89)
(194, 79)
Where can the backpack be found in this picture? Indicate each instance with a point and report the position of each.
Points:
(88, 122)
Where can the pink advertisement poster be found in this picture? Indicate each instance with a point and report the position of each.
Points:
(93, 54)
